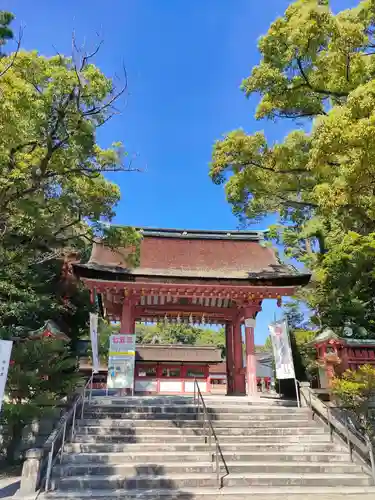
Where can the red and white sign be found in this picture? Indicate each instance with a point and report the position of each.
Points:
(121, 362)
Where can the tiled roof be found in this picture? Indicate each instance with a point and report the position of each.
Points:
(225, 255)
(183, 353)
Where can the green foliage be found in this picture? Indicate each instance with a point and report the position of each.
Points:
(304, 355)
(180, 334)
(5, 31)
(41, 371)
(54, 198)
(315, 66)
(40, 374)
(354, 390)
(164, 334)
(52, 188)
(31, 295)
(346, 283)
(105, 330)
(268, 344)
(54, 202)
(263, 348)
(206, 336)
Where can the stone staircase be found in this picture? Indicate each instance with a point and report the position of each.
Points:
(154, 448)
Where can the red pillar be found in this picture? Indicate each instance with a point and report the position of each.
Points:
(229, 357)
(127, 318)
(239, 377)
(251, 364)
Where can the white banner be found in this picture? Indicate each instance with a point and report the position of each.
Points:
(5, 351)
(121, 362)
(282, 350)
(94, 342)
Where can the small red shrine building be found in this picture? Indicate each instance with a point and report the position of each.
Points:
(336, 354)
(212, 277)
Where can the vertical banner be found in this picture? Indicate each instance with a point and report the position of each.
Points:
(121, 362)
(94, 342)
(5, 351)
(282, 352)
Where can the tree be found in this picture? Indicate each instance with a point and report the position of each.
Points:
(52, 188)
(268, 344)
(32, 295)
(346, 284)
(164, 334)
(179, 333)
(5, 31)
(207, 336)
(176, 334)
(41, 372)
(147, 334)
(317, 69)
(54, 198)
(355, 390)
(54, 202)
(6, 34)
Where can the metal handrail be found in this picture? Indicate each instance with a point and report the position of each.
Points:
(52, 448)
(360, 443)
(211, 434)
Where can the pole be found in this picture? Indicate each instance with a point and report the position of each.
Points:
(91, 384)
(274, 364)
(133, 371)
(294, 370)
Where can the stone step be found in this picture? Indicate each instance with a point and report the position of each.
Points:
(193, 438)
(199, 446)
(257, 493)
(164, 456)
(215, 416)
(251, 403)
(119, 415)
(235, 467)
(177, 430)
(195, 480)
(216, 409)
(117, 424)
(176, 401)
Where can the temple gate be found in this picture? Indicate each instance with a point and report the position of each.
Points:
(196, 277)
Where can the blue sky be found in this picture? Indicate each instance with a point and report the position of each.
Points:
(185, 60)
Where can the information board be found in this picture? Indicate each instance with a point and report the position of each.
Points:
(121, 362)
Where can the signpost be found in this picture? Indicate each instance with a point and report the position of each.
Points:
(282, 352)
(121, 362)
(5, 351)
